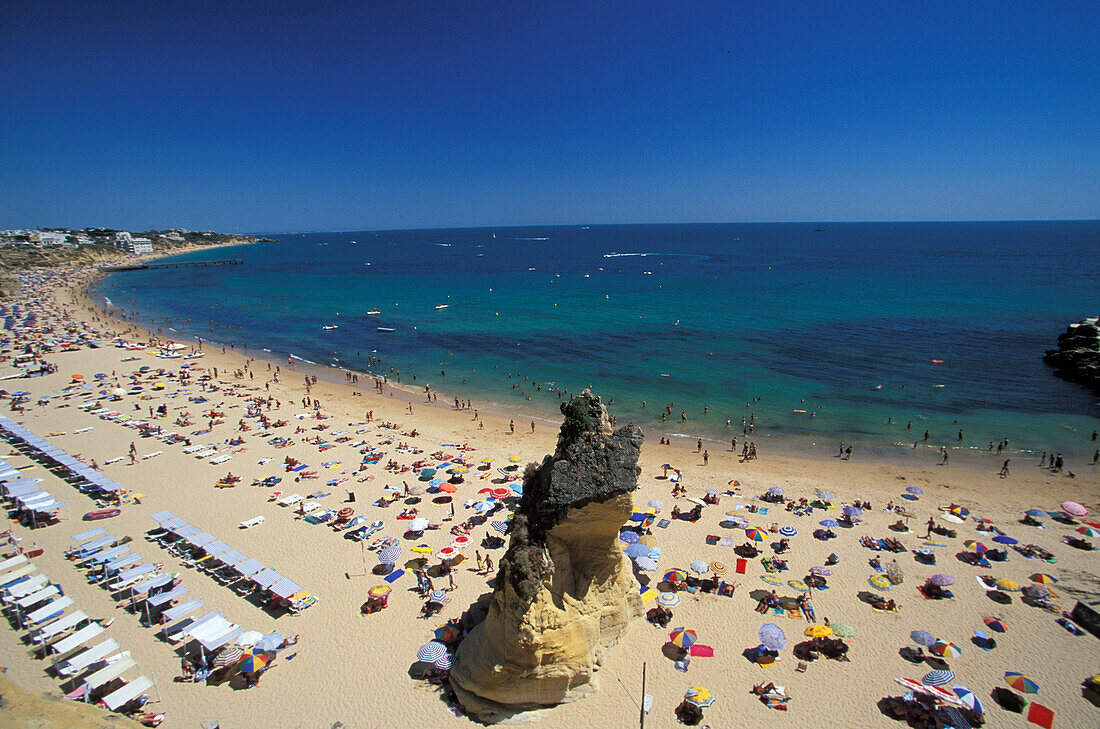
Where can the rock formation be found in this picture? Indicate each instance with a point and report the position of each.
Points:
(1077, 358)
(564, 590)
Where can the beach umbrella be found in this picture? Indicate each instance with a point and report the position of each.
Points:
(1008, 585)
(1021, 683)
(776, 491)
(823, 496)
(699, 566)
(423, 549)
(914, 490)
(637, 550)
(734, 483)
(843, 630)
(646, 564)
(699, 696)
(798, 585)
(418, 524)
(1043, 578)
(682, 638)
(486, 460)
(249, 638)
(852, 511)
(718, 568)
(515, 459)
(501, 527)
(711, 492)
(818, 631)
(668, 599)
(1036, 512)
(829, 523)
(772, 636)
(960, 511)
(447, 553)
(448, 488)
(1073, 508)
(1004, 539)
(482, 506)
(628, 537)
(788, 531)
(821, 571)
(756, 535)
(941, 580)
(996, 624)
(655, 504)
(444, 663)
(460, 469)
(502, 493)
(976, 547)
(389, 555)
(437, 596)
(676, 575)
(911, 684)
(773, 580)
(881, 582)
(431, 652)
(893, 573)
(1037, 591)
(922, 637)
(968, 698)
(269, 642)
(945, 649)
(228, 655)
(254, 661)
(345, 513)
(461, 542)
(446, 633)
(938, 678)
(1089, 531)
(429, 472)
(379, 590)
(951, 518)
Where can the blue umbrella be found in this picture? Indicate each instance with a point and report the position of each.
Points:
(389, 555)
(1035, 512)
(969, 698)
(431, 652)
(628, 537)
(913, 490)
(646, 564)
(637, 550)
(824, 496)
(829, 523)
(1004, 539)
(776, 491)
(437, 596)
(483, 506)
(938, 678)
(699, 566)
(772, 636)
(852, 511)
(788, 531)
(922, 637)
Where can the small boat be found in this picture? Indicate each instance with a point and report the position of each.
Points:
(329, 326)
(386, 329)
(374, 312)
(442, 306)
(101, 514)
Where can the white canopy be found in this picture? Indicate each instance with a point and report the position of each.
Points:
(127, 693)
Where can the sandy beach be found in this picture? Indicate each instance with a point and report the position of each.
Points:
(354, 669)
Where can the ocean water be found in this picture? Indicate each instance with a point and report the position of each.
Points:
(822, 332)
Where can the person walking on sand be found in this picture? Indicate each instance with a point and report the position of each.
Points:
(1004, 468)
(930, 523)
(706, 458)
(512, 426)
(133, 453)
(488, 564)
(532, 427)
(480, 562)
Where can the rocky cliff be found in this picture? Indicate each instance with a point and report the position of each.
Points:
(564, 591)
(1078, 355)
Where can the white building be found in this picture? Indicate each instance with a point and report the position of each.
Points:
(49, 238)
(140, 245)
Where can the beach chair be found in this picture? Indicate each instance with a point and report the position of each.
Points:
(154, 454)
(290, 500)
(207, 453)
(254, 521)
(221, 459)
(195, 448)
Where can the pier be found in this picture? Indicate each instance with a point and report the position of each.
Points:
(182, 264)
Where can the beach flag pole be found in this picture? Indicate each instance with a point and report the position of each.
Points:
(641, 713)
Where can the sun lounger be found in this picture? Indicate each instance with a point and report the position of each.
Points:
(254, 521)
(82, 660)
(221, 459)
(58, 627)
(109, 461)
(290, 500)
(127, 693)
(24, 588)
(49, 611)
(154, 454)
(109, 673)
(33, 598)
(195, 448)
(309, 507)
(207, 453)
(79, 638)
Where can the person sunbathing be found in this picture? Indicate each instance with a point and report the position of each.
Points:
(935, 592)
(783, 546)
(881, 603)
(660, 616)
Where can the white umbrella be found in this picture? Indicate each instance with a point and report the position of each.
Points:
(418, 525)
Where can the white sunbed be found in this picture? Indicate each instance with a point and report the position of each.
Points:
(207, 453)
(59, 626)
(10, 562)
(50, 610)
(109, 461)
(254, 521)
(127, 693)
(309, 507)
(290, 500)
(183, 609)
(195, 448)
(78, 638)
(221, 459)
(26, 587)
(154, 454)
(80, 661)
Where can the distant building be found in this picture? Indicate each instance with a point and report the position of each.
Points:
(122, 239)
(140, 245)
(49, 238)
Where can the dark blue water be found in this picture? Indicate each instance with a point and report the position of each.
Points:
(804, 319)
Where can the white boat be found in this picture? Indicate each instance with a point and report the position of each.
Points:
(374, 312)
(329, 326)
(386, 329)
(195, 355)
(442, 306)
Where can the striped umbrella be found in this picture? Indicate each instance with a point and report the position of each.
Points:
(444, 663)
(682, 638)
(843, 630)
(461, 542)
(254, 660)
(938, 678)
(922, 637)
(960, 511)
(772, 636)
(699, 696)
(228, 656)
(773, 580)
(996, 624)
(1089, 531)
(1043, 578)
(668, 599)
(941, 580)
(1021, 683)
(502, 493)
(437, 596)
(389, 555)
(446, 633)
(500, 527)
(446, 553)
(798, 585)
(974, 546)
(788, 531)
(822, 571)
(431, 652)
(945, 649)
(968, 698)
(676, 575)
(881, 582)
(893, 573)
(718, 568)
(756, 535)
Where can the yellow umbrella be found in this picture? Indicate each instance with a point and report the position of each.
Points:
(818, 631)
(379, 591)
(1006, 584)
(515, 459)
(423, 549)
(649, 595)
(461, 469)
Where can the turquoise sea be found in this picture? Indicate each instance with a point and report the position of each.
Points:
(842, 321)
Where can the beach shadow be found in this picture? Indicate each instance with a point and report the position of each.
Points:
(999, 597)
(910, 654)
(986, 644)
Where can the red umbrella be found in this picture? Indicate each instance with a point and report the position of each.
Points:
(449, 488)
(460, 542)
(446, 553)
(485, 491)
(502, 493)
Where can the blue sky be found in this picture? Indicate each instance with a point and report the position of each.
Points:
(343, 116)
